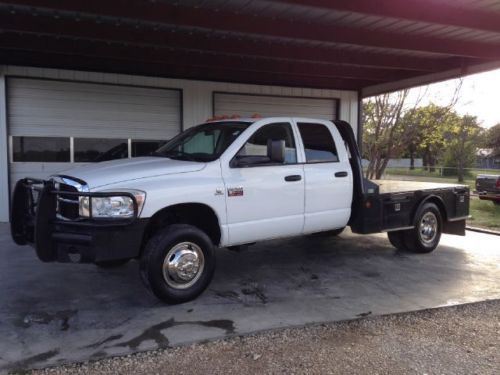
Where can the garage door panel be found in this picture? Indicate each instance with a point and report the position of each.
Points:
(266, 106)
(45, 108)
(27, 87)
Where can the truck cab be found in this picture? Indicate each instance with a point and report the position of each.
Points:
(224, 183)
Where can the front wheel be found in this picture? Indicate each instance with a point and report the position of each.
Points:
(178, 263)
(425, 237)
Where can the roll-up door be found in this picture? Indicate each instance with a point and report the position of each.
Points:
(54, 125)
(246, 105)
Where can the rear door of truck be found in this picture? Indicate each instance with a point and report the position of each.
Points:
(328, 176)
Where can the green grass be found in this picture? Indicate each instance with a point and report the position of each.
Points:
(484, 214)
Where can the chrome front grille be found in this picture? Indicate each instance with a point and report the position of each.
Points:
(67, 204)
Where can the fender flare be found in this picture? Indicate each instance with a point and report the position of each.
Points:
(432, 199)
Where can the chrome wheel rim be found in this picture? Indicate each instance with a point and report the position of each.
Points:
(428, 227)
(183, 265)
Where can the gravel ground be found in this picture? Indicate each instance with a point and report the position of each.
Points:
(453, 340)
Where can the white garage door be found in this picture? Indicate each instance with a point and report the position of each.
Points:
(54, 125)
(267, 106)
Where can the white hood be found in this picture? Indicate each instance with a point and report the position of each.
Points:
(116, 171)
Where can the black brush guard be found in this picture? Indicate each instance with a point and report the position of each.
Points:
(35, 219)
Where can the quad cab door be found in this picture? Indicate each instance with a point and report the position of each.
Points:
(264, 199)
(328, 176)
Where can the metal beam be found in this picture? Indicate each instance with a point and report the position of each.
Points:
(427, 79)
(173, 70)
(163, 37)
(431, 11)
(50, 44)
(182, 16)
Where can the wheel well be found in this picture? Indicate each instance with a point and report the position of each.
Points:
(196, 214)
(440, 205)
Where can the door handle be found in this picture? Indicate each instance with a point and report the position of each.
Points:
(293, 177)
(341, 174)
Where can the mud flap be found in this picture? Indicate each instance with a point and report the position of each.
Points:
(18, 214)
(454, 227)
(44, 224)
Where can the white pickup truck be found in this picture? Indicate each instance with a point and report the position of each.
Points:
(225, 184)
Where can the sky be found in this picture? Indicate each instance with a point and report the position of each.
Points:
(479, 96)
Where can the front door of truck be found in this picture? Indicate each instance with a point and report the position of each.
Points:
(329, 186)
(264, 200)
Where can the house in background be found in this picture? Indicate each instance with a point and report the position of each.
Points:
(487, 158)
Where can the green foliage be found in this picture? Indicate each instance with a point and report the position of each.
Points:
(435, 133)
(492, 139)
(462, 136)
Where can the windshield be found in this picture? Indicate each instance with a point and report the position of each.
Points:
(204, 142)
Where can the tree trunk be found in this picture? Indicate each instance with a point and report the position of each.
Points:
(460, 170)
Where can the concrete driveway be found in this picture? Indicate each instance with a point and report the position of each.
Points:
(56, 313)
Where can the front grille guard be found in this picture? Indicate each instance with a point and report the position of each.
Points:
(34, 216)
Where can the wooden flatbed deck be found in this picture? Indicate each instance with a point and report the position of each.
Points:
(395, 186)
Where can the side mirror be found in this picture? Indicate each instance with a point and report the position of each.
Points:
(276, 151)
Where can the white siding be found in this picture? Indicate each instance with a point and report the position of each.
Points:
(270, 106)
(4, 163)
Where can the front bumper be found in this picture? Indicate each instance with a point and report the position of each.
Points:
(36, 220)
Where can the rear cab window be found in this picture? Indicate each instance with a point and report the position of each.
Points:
(319, 146)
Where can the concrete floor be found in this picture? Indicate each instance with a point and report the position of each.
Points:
(57, 313)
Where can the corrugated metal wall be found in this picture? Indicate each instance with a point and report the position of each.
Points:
(39, 107)
(269, 106)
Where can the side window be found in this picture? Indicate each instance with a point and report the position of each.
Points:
(256, 146)
(318, 143)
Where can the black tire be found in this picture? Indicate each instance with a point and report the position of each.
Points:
(396, 239)
(417, 240)
(112, 263)
(158, 281)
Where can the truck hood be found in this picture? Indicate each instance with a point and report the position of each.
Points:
(116, 171)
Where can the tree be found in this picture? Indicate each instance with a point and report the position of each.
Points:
(392, 125)
(382, 138)
(463, 135)
(426, 127)
(492, 139)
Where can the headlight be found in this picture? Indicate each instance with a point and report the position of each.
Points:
(119, 206)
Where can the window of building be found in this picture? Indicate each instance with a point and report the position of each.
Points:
(318, 143)
(41, 149)
(99, 149)
(256, 146)
(142, 147)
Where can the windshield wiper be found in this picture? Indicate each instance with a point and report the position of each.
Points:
(177, 154)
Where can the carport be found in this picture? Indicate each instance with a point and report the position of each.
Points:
(217, 56)
(191, 60)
